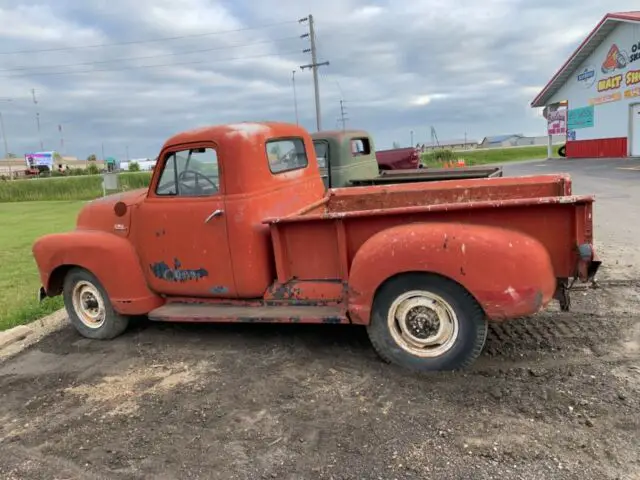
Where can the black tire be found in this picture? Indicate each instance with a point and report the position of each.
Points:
(464, 348)
(111, 323)
(562, 151)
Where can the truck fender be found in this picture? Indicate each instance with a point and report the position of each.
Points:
(110, 258)
(509, 273)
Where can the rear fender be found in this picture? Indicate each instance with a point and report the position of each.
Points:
(509, 273)
(110, 258)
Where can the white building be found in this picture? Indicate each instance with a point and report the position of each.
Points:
(600, 83)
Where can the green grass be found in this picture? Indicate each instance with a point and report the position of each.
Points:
(84, 187)
(492, 155)
(20, 225)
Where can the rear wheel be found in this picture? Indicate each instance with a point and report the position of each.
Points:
(426, 322)
(89, 307)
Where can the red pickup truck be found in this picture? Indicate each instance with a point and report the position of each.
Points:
(398, 159)
(236, 226)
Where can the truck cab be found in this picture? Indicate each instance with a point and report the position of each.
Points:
(348, 158)
(344, 156)
(237, 225)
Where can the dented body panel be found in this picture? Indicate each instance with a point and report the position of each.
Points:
(271, 245)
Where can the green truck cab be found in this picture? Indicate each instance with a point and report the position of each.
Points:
(347, 158)
(344, 156)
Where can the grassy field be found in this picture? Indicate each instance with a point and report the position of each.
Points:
(85, 187)
(20, 225)
(493, 155)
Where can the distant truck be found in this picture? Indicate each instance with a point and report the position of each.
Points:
(348, 158)
(398, 159)
(237, 226)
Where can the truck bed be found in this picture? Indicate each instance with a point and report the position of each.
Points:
(320, 241)
(387, 177)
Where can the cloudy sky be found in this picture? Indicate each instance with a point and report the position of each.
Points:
(127, 74)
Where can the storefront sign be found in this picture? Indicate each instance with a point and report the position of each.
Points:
(635, 53)
(616, 59)
(557, 120)
(580, 118)
(610, 83)
(632, 92)
(587, 77)
(612, 97)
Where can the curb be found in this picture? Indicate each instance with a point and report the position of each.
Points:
(18, 338)
(14, 334)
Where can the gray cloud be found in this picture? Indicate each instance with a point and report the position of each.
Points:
(464, 66)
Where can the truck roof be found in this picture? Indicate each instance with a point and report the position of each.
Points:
(250, 131)
(339, 134)
(244, 149)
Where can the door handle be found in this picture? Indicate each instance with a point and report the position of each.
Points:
(216, 213)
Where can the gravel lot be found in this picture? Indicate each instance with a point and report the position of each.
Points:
(553, 396)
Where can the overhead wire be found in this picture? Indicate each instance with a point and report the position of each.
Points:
(140, 67)
(146, 57)
(162, 39)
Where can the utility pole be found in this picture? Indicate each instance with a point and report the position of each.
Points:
(35, 102)
(127, 148)
(61, 139)
(313, 66)
(102, 145)
(412, 138)
(343, 119)
(295, 95)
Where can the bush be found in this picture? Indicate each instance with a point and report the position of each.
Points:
(92, 169)
(438, 157)
(134, 167)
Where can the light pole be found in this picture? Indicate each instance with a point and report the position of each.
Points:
(3, 131)
(4, 137)
(412, 138)
(295, 95)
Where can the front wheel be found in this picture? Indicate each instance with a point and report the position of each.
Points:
(89, 307)
(425, 322)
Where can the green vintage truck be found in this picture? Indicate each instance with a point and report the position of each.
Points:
(348, 158)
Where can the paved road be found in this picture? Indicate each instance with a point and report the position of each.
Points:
(616, 186)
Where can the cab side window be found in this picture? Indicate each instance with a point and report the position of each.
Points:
(190, 173)
(286, 154)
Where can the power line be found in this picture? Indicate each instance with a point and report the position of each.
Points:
(162, 39)
(140, 67)
(144, 57)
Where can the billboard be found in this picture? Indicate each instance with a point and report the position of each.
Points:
(37, 159)
(557, 120)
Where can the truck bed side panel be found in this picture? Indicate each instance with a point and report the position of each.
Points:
(311, 249)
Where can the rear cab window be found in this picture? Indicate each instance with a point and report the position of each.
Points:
(360, 146)
(286, 154)
(321, 148)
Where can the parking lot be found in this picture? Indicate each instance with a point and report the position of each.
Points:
(554, 396)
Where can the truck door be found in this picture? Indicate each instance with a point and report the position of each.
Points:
(180, 229)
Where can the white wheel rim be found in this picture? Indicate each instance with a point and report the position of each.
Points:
(88, 304)
(423, 323)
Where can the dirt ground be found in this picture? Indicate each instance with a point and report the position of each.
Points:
(556, 396)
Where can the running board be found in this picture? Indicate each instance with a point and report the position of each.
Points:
(186, 312)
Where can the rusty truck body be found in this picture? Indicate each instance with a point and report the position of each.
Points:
(237, 226)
